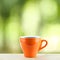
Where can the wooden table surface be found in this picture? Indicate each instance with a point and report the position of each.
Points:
(21, 57)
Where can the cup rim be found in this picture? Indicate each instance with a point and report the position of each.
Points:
(29, 36)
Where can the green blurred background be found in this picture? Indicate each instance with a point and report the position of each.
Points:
(29, 18)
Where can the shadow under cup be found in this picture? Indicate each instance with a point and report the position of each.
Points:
(31, 45)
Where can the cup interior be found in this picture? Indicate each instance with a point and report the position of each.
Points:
(29, 36)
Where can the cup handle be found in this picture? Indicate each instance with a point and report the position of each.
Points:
(44, 45)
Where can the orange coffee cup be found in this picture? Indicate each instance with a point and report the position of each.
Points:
(31, 45)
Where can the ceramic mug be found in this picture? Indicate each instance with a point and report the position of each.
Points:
(31, 45)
